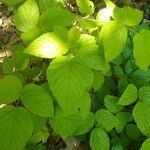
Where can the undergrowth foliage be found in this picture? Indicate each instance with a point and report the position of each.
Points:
(79, 74)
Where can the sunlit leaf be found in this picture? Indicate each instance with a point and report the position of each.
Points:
(48, 45)
(141, 50)
(86, 6)
(113, 45)
(24, 19)
(68, 79)
(56, 16)
(128, 16)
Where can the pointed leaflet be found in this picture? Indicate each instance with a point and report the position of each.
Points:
(37, 101)
(141, 49)
(56, 16)
(24, 19)
(85, 6)
(128, 16)
(129, 96)
(111, 103)
(15, 128)
(48, 45)
(141, 116)
(145, 144)
(144, 94)
(68, 79)
(10, 88)
(105, 119)
(113, 45)
(99, 140)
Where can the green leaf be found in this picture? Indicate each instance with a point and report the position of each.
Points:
(56, 16)
(133, 132)
(84, 104)
(123, 118)
(24, 19)
(144, 94)
(68, 79)
(38, 122)
(98, 80)
(105, 119)
(145, 144)
(128, 16)
(37, 101)
(10, 88)
(141, 115)
(141, 49)
(85, 6)
(99, 140)
(65, 125)
(129, 96)
(86, 125)
(15, 128)
(19, 59)
(29, 36)
(111, 103)
(122, 84)
(73, 36)
(87, 51)
(48, 45)
(88, 24)
(46, 4)
(113, 45)
(7, 65)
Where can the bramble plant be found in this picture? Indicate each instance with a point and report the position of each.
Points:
(81, 75)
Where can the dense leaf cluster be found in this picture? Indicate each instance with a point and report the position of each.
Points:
(79, 74)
